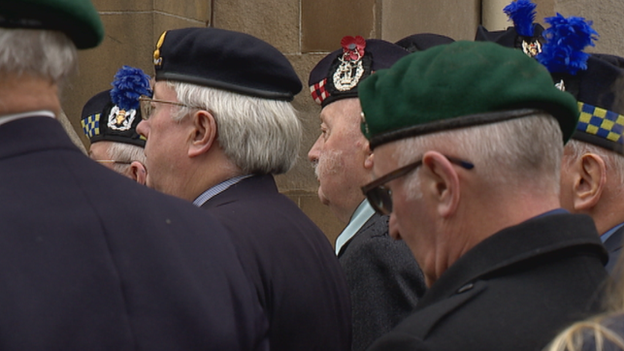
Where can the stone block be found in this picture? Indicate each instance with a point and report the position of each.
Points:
(325, 22)
(274, 21)
(163, 22)
(319, 213)
(123, 5)
(456, 19)
(198, 10)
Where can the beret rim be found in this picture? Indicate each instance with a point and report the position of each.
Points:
(213, 83)
(449, 124)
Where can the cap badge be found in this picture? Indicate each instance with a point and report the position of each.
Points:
(531, 48)
(157, 58)
(560, 85)
(350, 70)
(120, 119)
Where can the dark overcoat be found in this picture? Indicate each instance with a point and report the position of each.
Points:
(614, 248)
(513, 291)
(298, 278)
(384, 279)
(90, 260)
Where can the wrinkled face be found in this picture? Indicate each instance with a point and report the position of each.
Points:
(568, 172)
(338, 156)
(167, 143)
(99, 151)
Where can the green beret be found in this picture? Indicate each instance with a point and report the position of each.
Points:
(78, 19)
(459, 85)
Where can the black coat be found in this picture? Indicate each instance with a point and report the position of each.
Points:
(90, 260)
(296, 273)
(614, 247)
(384, 279)
(513, 291)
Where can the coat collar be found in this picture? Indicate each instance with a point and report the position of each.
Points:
(533, 238)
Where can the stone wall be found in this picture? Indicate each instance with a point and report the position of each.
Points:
(304, 30)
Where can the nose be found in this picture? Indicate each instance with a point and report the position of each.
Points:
(315, 151)
(142, 128)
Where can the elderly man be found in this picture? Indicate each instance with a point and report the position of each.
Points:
(467, 141)
(592, 172)
(109, 120)
(90, 260)
(219, 126)
(383, 277)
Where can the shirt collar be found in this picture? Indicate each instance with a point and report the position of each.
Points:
(217, 189)
(12, 117)
(604, 237)
(362, 214)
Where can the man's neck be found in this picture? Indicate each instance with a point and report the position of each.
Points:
(27, 93)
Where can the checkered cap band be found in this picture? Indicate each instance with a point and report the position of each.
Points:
(318, 91)
(601, 122)
(91, 125)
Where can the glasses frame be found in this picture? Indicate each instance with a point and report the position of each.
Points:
(373, 188)
(144, 102)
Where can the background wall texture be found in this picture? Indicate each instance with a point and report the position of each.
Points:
(305, 31)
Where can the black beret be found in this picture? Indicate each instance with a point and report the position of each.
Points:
(338, 74)
(78, 19)
(511, 39)
(226, 60)
(600, 94)
(423, 41)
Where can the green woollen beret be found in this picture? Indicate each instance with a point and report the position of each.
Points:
(78, 19)
(459, 85)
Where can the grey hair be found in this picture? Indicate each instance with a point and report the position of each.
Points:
(40, 53)
(504, 153)
(259, 136)
(613, 161)
(126, 153)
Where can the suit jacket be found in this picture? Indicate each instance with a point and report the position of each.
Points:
(90, 260)
(296, 273)
(614, 246)
(384, 279)
(513, 291)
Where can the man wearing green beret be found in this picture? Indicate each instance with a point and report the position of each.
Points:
(90, 260)
(468, 139)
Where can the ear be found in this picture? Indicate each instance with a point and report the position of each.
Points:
(369, 161)
(590, 181)
(138, 172)
(442, 182)
(204, 133)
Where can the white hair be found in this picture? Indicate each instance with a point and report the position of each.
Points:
(125, 153)
(507, 153)
(259, 136)
(41, 53)
(575, 149)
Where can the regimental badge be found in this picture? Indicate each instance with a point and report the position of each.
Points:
(120, 119)
(532, 48)
(560, 85)
(157, 59)
(350, 70)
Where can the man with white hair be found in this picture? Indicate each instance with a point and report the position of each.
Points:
(90, 260)
(219, 126)
(467, 140)
(109, 119)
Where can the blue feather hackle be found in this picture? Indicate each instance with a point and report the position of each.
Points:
(565, 41)
(129, 84)
(522, 13)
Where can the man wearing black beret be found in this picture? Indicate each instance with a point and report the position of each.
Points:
(89, 259)
(109, 120)
(219, 126)
(467, 141)
(384, 279)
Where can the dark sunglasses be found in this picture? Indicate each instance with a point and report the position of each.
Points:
(380, 197)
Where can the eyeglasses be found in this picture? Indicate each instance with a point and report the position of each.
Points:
(380, 197)
(147, 109)
(114, 161)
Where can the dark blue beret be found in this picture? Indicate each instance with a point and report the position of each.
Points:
(226, 60)
(325, 79)
(511, 39)
(423, 41)
(102, 120)
(600, 93)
